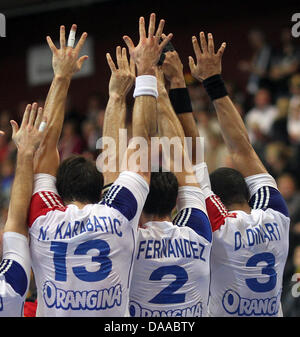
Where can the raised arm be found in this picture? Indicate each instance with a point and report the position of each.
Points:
(65, 63)
(129, 192)
(16, 263)
(170, 128)
(146, 55)
(190, 200)
(27, 139)
(207, 69)
(180, 99)
(121, 81)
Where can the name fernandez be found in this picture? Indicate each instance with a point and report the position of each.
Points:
(150, 326)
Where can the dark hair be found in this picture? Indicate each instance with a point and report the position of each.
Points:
(230, 186)
(78, 179)
(162, 195)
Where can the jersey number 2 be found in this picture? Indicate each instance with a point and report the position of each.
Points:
(167, 296)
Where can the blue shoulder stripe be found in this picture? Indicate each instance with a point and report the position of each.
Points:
(269, 197)
(14, 275)
(122, 199)
(196, 220)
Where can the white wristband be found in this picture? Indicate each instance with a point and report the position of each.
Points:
(145, 85)
(202, 176)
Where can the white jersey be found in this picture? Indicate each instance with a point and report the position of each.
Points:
(249, 252)
(171, 267)
(82, 258)
(14, 274)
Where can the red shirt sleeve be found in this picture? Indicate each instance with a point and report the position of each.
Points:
(217, 212)
(42, 203)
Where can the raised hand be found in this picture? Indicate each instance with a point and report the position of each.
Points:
(29, 135)
(209, 63)
(147, 53)
(65, 61)
(123, 76)
(173, 69)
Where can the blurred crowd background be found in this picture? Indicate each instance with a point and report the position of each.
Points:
(261, 67)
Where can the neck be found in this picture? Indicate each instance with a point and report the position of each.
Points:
(239, 207)
(80, 205)
(152, 217)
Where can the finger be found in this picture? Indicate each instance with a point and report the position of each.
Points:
(128, 42)
(43, 124)
(160, 29)
(2, 133)
(165, 41)
(111, 63)
(192, 64)
(221, 49)
(15, 128)
(32, 114)
(125, 59)
(81, 42)
(26, 115)
(81, 60)
(196, 47)
(203, 42)
(39, 118)
(51, 44)
(71, 38)
(211, 45)
(119, 57)
(142, 29)
(151, 28)
(62, 37)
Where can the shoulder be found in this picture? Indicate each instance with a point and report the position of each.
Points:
(42, 203)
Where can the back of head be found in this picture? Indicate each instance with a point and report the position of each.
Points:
(162, 195)
(230, 186)
(78, 179)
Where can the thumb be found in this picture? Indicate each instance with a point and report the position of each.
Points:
(81, 61)
(191, 64)
(15, 127)
(129, 43)
(221, 49)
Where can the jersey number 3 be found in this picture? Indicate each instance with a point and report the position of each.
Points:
(253, 283)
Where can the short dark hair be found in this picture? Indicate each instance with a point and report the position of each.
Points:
(78, 179)
(230, 186)
(162, 194)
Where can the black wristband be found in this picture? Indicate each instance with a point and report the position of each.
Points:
(180, 100)
(215, 87)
